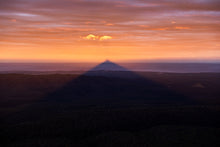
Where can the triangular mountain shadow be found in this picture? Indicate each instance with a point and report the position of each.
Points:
(110, 69)
(111, 84)
(108, 66)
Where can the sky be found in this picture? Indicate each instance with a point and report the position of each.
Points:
(118, 30)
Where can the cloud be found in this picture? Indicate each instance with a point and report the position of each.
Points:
(94, 37)
(90, 37)
(13, 20)
(105, 38)
(109, 24)
(182, 28)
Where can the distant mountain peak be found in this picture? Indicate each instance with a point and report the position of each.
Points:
(107, 61)
(107, 65)
(111, 69)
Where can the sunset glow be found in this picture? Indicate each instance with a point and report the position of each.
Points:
(119, 30)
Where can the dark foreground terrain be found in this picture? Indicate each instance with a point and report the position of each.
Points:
(150, 110)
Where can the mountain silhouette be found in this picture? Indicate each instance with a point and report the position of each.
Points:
(108, 66)
(110, 69)
(110, 83)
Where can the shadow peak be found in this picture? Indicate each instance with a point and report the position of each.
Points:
(108, 66)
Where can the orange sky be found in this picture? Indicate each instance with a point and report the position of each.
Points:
(95, 30)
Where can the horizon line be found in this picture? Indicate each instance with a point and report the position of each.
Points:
(118, 61)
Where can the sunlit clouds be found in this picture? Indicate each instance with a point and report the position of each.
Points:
(93, 30)
(93, 37)
(105, 38)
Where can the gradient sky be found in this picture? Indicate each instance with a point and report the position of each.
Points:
(119, 30)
